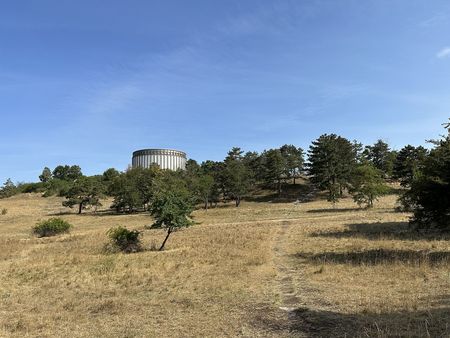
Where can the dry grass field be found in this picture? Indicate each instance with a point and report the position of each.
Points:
(265, 269)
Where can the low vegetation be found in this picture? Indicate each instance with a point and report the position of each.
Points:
(334, 164)
(124, 240)
(272, 258)
(224, 276)
(51, 227)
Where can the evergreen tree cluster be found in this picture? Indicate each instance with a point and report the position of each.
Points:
(334, 164)
(429, 188)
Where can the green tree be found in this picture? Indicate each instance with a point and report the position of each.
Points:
(46, 175)
(381, 156)
(237, 176)
(332, 159)
(110, 174)
(171, 210)
(67, 173)
(367, 184)
(85, 191)
(215, 170)
(199, 183)
(205, 188)
(253, 161)
(293, 159)
(9, 189)
(274, 165)
(107, 179)
(359, 151)
(143, 179)
(126, 195)
(429, 193)
(56, 186)
(133, 189)
(409, 163)
(192, 168)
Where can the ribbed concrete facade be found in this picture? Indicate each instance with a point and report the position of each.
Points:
(164, 158)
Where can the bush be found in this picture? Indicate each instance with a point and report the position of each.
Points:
(56, 187)
(4, 211)
(51, 227)
(124, 240)
(31, 187)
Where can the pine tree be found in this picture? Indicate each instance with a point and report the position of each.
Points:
(409, 163)
(9, 189)
(274, 165)
(294, 160)
(237, 175)
(367, 184)
(381, 156)
(46, 175)
(332, 159)
(429, 193)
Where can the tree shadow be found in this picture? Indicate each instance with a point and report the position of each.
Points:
(99, 213)
(62, 213)
(303, 192)
(334, 210)
(321, 323)
(385, 230)
(379, 256)
(221, 205)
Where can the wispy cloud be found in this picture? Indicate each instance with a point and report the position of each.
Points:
(112, 99)
(435, 20)
(443, 53)
(274, 18)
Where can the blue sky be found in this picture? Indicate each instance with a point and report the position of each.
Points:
(87, 82)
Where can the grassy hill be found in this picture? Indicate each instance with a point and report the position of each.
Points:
(265, 269)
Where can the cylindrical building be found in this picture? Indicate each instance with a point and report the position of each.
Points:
(164, 158)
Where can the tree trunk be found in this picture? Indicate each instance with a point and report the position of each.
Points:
(206, 203)
(279, 187)
(294, 179)
(169, 231)
(238, 201)
(80, 208)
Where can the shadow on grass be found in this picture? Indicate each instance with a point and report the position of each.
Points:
(386, 230)
(100, 213)
(334, 210)
(289, 193)
(321, 323)
(379, 256)
(220, 205)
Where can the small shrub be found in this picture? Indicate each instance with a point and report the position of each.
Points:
(124, 240)
(4, 211)
(51, 227)
(31, 187)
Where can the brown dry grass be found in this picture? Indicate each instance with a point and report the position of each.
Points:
(219, 278)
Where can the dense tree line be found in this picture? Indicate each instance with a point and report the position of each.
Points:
(334, 164)
(428, 195)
